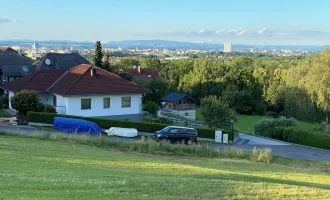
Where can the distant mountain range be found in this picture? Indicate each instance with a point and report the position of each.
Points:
(159, 44)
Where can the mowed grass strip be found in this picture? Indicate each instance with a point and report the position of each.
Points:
(38, 169)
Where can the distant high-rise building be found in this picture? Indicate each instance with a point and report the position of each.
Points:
(35, 45)
(228, 47)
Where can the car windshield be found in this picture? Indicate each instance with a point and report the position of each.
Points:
(164, 130)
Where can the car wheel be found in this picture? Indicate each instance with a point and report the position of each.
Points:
(190, 142)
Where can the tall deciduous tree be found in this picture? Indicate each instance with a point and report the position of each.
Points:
(318, 82)
(98, 55)
(106, 63)
(216, 112)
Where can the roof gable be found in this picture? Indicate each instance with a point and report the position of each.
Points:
(176, 97)
(17, 70)
(61, 61)
(148, 72)
(38, 81)
(78, 81)
(11, 58)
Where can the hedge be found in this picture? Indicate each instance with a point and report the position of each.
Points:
(294, 135)
(107, 123)
(313, 139)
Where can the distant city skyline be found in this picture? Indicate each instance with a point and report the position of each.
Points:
(292, 22)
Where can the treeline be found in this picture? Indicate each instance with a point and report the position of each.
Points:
(298, 88)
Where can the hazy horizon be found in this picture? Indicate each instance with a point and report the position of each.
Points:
(295, 22)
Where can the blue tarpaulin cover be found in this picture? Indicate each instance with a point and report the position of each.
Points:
(76, 125)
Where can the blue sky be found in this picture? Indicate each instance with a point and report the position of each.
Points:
(215, 21)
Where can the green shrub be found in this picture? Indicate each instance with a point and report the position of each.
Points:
(151, 107)
(323, 127)
(278, 132)
(107, 123)
(286, 134)
(45, 108)
(264, 126)
(5, 102)
(262, 155)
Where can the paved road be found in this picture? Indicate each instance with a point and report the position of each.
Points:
(278, 148)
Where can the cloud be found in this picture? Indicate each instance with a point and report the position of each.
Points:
(6, 20)
(265, 32)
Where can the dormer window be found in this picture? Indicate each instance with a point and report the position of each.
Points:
(25, 69)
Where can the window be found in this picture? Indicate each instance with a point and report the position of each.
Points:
(106, 102)
(54, 101)
(86, 104)
(25, 69)
(174, 131)
(126, 102)
(186, 114)
(11, 78)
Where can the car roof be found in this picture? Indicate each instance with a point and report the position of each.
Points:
(181, 127)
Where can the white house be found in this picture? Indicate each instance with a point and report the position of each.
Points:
(84, 90)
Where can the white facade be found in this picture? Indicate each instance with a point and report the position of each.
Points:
(71, 105)
(228, 47)
(10, 94)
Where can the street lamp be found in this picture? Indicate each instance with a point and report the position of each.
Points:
(232, 128)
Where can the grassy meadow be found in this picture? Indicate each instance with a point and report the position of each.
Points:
(245, 123)
(39, 169)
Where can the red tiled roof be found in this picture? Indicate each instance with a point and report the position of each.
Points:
(37, 81)
(78, 81)
(148, 72)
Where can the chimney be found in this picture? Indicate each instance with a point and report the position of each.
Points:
(139, 69)
(93, 71)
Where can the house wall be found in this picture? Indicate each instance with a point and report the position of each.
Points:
(45, 98)
(10, 94)
(190, 114)
(61, 104)
(71, 105)
(114, 112)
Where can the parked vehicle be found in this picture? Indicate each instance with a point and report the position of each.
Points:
(177, 134)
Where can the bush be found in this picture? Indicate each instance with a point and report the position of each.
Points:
(294, 135)
(264, 155)
(25, 101)
(323, 127)
(271, 114)
(151, 107)
(314, 139)
(216, 112)
(277, 133)
(265, 126)
(5, 102)
(287, 132)
(45, 108)
(107, 123)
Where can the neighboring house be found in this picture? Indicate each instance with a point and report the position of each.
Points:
(84, 90)
(180, 104)
(8, 49)
(60, 61)
(138, 71)
(13, 65)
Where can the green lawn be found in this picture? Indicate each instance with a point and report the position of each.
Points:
(39, 169)
(4, 113)
(245, 123)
